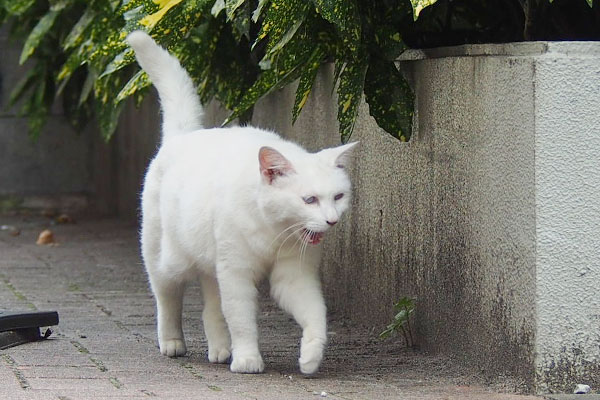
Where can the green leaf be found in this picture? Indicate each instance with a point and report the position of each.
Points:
(239, 14)
(404, 308)
(73, 62)
(75, 37)
(121, 60)
(389, 42)
(137, 82)
(24, 85)
(149, 21)
(350, 91)
(257, 13)
(18, 7)
(108, 118)
(217, 8)
(419, 5)
(37, 34)
(231, 7)
(286, 69)
(282, 21)
(344, 15)
(36, 108)
(306, 81)
(107, 109)
(390, 99)
(339, 67)
(88, 85)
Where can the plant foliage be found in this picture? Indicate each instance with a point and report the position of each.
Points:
(238, 51)
(404, 308)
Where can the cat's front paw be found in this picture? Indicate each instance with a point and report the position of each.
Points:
(311, 355)
(218, 355)
(172, 347)
(247, 365)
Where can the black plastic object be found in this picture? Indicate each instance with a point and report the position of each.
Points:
(22, 327)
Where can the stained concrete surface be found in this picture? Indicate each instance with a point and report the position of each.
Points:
(489, 216)
(105, 347)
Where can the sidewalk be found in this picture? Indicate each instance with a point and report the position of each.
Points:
(105, 346)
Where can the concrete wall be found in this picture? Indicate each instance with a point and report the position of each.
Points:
(52, 172)
(65, 170)
(567, 149)
(489, 216)
(447, 218)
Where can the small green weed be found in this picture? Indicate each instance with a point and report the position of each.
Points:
(404, 308)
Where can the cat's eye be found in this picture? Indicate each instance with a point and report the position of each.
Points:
(310, 199)
(338, 196)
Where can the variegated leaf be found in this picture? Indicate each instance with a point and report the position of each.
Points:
(390, 99)
(76, 36)
(137, 82)
(121, 60)
(350, 89)
(88, 85)
(239, 15)
(72, 63)
(106, 109)
(306, 81)
(419, 5)
(282, 20)
(24, 85)
(217, 7)
(37, 34)
(149, 21)
(286, 69)
(18, 7)
(344, 15)
(258, 12)
(389, 42)
(231, 7)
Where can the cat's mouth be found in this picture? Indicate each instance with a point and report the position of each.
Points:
(312, 237)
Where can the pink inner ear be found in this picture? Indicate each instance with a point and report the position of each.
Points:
(273, 164)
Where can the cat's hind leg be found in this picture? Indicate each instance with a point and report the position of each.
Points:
(215, 328)
(297, 290)
(169, 304)
(167, 280)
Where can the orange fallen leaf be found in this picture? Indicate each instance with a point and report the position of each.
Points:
(46, 237)
(64, 219)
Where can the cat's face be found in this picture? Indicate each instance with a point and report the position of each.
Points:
(307, 196)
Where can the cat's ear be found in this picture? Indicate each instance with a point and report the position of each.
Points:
(273, 164)
(341, 155)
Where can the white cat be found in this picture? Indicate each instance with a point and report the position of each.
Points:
(232, 206)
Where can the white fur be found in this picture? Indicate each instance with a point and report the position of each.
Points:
(228, 206)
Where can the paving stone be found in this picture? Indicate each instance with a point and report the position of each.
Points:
(105, 345)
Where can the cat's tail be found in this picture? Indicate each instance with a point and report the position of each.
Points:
(182, 111)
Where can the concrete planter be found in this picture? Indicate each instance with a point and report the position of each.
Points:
(489, 216)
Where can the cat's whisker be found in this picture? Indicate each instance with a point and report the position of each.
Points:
(304, 245)
(283, 243)
(297, 224)
(286, 239)
(302, 239)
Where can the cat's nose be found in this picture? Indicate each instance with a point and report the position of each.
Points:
(332, 223)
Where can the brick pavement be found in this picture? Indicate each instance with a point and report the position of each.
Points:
(105, 346)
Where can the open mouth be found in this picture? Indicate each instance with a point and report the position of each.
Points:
(312, 237)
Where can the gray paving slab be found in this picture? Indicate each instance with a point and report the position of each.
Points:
(105, 345)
